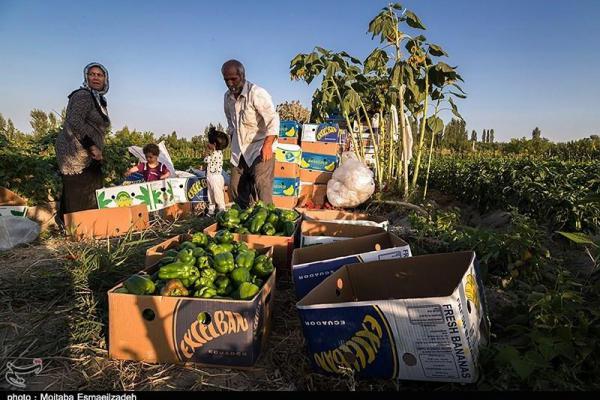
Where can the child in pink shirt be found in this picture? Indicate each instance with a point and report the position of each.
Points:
(152, 169)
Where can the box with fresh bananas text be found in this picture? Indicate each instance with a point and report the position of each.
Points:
(415, 318)
(324, 132)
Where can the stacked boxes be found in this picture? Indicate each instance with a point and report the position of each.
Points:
(320, 148)
(286, 180)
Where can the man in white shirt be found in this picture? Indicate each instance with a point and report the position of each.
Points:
(253, 125)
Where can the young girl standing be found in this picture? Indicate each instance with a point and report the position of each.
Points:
(217, 142)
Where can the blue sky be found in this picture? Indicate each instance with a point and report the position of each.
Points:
(525, 63)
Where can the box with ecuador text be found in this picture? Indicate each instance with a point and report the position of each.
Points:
(416, 318)
(311, 265)
(216, 332)
(318, 232)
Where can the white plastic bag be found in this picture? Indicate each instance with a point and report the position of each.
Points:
(352, 183)
(163, 157)
(17, 230)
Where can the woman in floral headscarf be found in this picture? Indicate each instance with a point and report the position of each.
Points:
(79, 145)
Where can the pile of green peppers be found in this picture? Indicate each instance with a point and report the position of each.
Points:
(205, 267)
(258, 219)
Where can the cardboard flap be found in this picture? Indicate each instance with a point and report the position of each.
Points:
(318, 228)
(434, 275)
(333, 215)
(10, 198)
(348, 247)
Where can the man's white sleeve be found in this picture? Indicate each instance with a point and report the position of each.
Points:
(266, 109)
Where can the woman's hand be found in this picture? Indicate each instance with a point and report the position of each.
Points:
(96, 153)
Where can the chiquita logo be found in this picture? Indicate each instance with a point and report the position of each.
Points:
(326, 131)
(199, 333)
(357, 353)
(196, 188)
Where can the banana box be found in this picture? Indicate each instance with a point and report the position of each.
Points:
(417, 318)
(289, 132)
(156, 195)
(285, 201)
(13, 211)
(319, 162)
(311, 265)
(286, 170)
(286, 186)
(325, 132)
(331, 149)
(319, 232)
(196, 190)
(288, 153)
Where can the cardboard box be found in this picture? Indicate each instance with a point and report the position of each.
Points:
(305, 194)
(309, 175)
(283, 246)
(110, 222)
(344, 217)
(311, 265)
(285, 201)
(11, 204)
(215, 332)
(416, 318)
(288, 153)
(317, 232)
(156, 195)
(286, 187)
(286, 170)
(292, 141)
(319, 162)
(324, 132)
(330, 149)
(289, 129)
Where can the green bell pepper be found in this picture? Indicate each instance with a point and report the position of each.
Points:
(186, 256)
(257, 281)
(268, 229)
(203, 262)
(140, 285)
(288, 215)
(287, 228)
(171, 253)
(258, 220)
(207, 277)
(223, 285)
(221, 248)
(187, 245)
(177, 270)
(242, 230)
(206, 292)
(167, 260)
(200, 239)
(271, 207)
(224, 236)
(199, 252)
(228, 219)
(245, 259)
(240, 275)
(273, 218)
(224, 262)
(263, 266)
(239, 246)
(246, 291)
(244, 215)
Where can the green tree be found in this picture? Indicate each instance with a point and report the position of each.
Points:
(536, 134)
(474, 136)
(455, 136)
(492, 136)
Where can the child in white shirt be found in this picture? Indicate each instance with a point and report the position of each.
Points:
(217, 142)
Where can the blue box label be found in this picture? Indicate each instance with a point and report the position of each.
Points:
(289, 129)
(318, 162)
(327, 132)
(196, 189)
(357, 338)
(286, 186)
